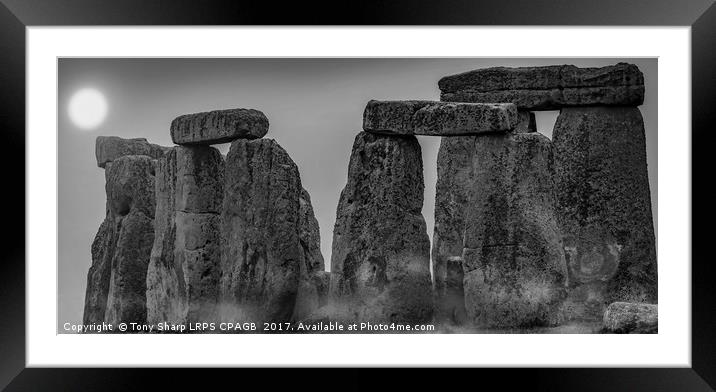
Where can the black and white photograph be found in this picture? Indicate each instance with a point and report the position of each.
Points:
(357, 195)
(507, 187)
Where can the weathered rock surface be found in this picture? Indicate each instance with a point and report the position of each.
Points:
(109, 148)
(604, 206)
(514, 264)
(454, 182)
(455, 179)
(547, 88)
(120, 251)
(126, 297)
(380, 260)
(261, 256)
(309, 295)
(219, 126)
(625, 317)
(527, 122)
(183, 274)
(437, 118)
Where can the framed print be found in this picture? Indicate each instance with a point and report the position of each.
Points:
(445, 187)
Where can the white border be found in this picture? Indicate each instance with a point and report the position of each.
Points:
(670, 347)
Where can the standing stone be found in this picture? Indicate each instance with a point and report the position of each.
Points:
(604, 207)
(514, 268)
(219, 126)
(183, 275)
(454, 181)
(547, 88)
(311, 291)
(380, 263)
(261, 254)
(120, 251)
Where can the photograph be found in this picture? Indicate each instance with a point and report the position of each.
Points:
(357, 195)
(512, 189)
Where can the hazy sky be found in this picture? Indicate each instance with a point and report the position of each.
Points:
(314, 106)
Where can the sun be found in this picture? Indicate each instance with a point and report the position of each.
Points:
(87, 108)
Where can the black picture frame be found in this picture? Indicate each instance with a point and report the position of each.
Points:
(16, 15)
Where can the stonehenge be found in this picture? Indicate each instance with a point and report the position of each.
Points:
(600, 188)
(234, 238)
(529, 232)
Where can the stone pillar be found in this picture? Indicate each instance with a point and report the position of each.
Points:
(183, 277)
(130, 195)
(513, 259)
(380, 263)
(604, 207)
(120, 251)
(588, 168)
(261, 252)
(453, 184)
